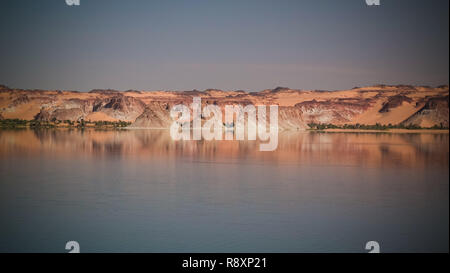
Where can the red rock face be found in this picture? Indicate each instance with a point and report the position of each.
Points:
(424, 106)
(291, 118)
(155, 115)
(120, 107)
(435, 112)
(337, 111)
(394, 101)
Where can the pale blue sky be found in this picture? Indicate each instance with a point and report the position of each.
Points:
(249, 45)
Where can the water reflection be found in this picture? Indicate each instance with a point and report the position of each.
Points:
(139, 191)
(355, 149)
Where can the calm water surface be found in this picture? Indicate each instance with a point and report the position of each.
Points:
(138, 191)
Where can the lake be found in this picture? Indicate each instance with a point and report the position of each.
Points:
(140, 191)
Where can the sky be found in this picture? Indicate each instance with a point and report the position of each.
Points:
(229, 45)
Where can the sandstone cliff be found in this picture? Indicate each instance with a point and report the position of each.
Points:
(383, 104)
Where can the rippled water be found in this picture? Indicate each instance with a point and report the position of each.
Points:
(137, 190)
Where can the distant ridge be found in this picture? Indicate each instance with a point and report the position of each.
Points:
(379, 104)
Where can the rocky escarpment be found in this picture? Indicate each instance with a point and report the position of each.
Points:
(155, 115)
(337, 111)
(114, 106)
(383, 104)
(291, 118)
(60, 114)
(435, 112)
(120, 107)
(393, 102)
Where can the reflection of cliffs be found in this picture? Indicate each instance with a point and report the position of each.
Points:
(294, 148)
(423, 106)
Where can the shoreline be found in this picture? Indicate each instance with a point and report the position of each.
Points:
(392, 131)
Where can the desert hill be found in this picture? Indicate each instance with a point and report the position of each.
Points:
(383, 104)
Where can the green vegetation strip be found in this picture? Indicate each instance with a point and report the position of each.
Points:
(323, 126)
(21, 123)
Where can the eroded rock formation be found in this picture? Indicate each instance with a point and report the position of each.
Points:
(383, 104)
